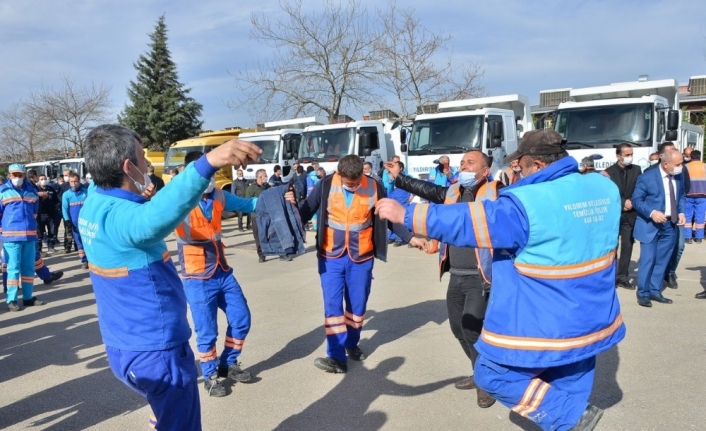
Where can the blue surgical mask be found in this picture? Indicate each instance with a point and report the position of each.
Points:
(467, 179)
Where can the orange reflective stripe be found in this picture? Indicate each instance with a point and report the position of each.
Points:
(166, 256)
(339, 329)
(38, 263)
(480, 225)
(11, 199)
(14, 282)
(19, 232)
(108, 273)
(528, 343)
(334, 320)
(566, 271)
(208, 356)
(531, 388)
(354, 321)
(419, 219)
(234, 343)
(539, 396)
(27, 279)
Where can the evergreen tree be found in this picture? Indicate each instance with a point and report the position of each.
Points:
(160, 109)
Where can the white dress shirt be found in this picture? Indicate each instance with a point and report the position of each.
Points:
(665, 183)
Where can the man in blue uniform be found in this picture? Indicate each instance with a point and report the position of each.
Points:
(71, 204)
(553, 306)
(19, 203)
(209, 284)
(139, 296)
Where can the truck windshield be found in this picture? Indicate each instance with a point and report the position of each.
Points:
(175, 156)
(327, 145)
(270, 149)
(605, 126)
(73, 167)
(446, 135)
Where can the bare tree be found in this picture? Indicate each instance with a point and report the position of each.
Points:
(72, 110)
(23, 133)
(411, 65)
(324, 62)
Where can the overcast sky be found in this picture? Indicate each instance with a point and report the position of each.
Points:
(524, 46)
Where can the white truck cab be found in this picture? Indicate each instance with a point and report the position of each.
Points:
(279, 143)
(49, 168)
(493, 125)
(76, 165)
(372, 140)
(597, 119)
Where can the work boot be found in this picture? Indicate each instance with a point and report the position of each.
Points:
(589, 419)
(356, 354)
(467, 383)
(235, 373)
(687, 241)
(698, 240)
(56, 275)
(484, 399)
(32, 302)
(331, 365)
(214, 386)
(12, 306)
(262, 259)
(84, 265)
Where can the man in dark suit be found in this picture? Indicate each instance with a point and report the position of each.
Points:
(660, 202)
(624, 174)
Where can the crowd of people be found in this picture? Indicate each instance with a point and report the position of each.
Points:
(496, 237)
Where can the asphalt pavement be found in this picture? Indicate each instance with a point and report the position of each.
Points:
(54, 374)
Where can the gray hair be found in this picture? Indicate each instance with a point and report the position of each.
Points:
(587, 162)
(260, 171)
(106, 149)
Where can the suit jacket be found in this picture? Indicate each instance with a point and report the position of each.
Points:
(626, 188)
(649, 196)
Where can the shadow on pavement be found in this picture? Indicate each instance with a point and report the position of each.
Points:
(702, 276)
(389, 324)
(606, 390)
(346, 406)
(75, 404)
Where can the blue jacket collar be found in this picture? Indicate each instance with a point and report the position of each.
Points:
(561, 168)
(121, 194)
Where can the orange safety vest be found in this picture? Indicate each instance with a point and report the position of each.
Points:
(350, 228)
(512, 176)
(484, 257)
(201, 250)
(697, 176)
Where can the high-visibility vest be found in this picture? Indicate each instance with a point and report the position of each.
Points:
(488, 191)
(350, 229)
(697, 176)
(199, 243)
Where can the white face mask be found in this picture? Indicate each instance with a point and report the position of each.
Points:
(66, 178)
(687, 159)
(677, 170)
(211, 186)
(351, 189)
(17, 182)
(467, 179)
(653, 162)
(146, 178)
(43, 183)
(627, 161)
(517, 169)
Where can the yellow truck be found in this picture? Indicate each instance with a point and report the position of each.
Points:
(156, 159)
(205, 142)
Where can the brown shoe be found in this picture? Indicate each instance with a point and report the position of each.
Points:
(467, 383)
(484, 399)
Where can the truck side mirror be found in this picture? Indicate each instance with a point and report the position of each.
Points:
(673, 121)
(671, 135)
(365, 144)
(496, 134)
(403, 148)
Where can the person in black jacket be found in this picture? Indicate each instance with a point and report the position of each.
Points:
(466, 296)
(349, 238)
(47, 215)
(239, 187)
(69, 242)
(157, 181)
(624, 174)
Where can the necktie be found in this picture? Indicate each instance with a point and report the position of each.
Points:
(672, 200)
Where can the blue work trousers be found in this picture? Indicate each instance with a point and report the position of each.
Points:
(344, 280)
(79, 243)
(20, 268)
(654, 260)
(695, 211)
(167, 378)
(554, 398)
(39, 268)
(205, 297)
